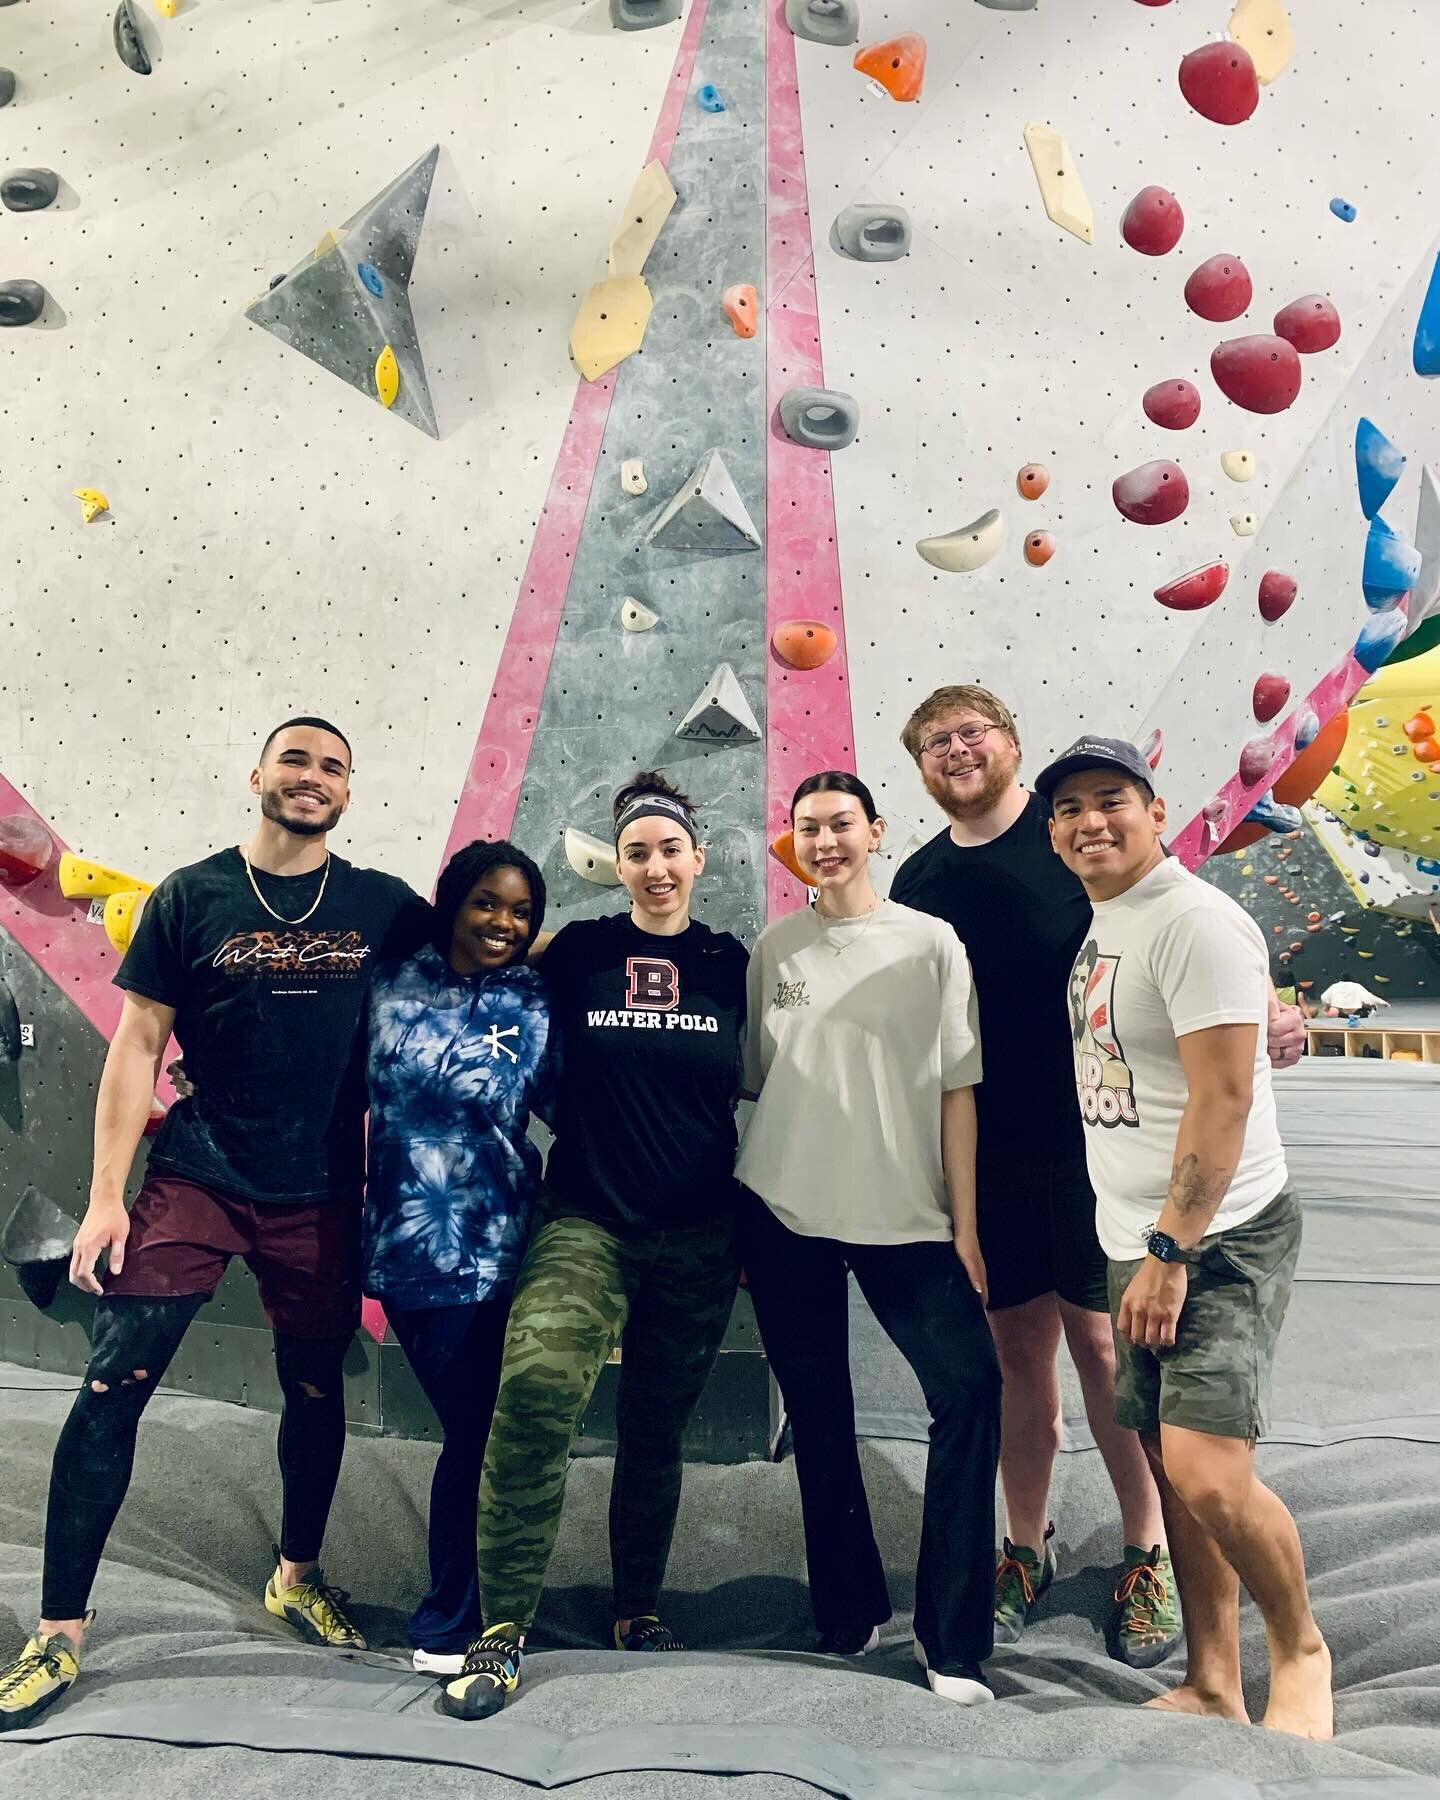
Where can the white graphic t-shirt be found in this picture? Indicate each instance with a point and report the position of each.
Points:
(856, 1028)
(1169, 956)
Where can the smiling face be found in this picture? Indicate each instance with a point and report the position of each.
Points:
(833, 838)
(492, 927)
(967, 778)
(303, 780)
(658, 865)
(1106, 830)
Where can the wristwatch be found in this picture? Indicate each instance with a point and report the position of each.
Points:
(1160, 1244)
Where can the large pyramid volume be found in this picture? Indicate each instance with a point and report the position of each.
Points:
(706, 514)
(345, 303)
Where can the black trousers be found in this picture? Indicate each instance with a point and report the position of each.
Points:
(923, 1299)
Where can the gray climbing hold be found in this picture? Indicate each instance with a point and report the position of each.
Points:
(824, 21)
(28, 190)
(819, 418)
(1008, 5)
(872, 233)
(36, 1241)
(9, 1024)
(722, 714)
(642, 15)
(21, 302)
(129, 44)
(706, 514)
(7, 86)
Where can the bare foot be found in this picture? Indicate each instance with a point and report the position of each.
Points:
(1300, 1698)
(1200, 1703)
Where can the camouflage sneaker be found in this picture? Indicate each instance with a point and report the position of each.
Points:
(1145, 1625)
(1021, 1577)
(316, 1610)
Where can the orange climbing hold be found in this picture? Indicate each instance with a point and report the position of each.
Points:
(1039, 548)
(782, 849)
(1032, 481)
(804, 643)
(898, 64)
(740, 303)
(1418, 725)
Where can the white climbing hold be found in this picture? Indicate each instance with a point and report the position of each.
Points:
(1244, 524)
(1060, 185)
(591, 858)
(632, 476)
(969, 548)
(636, 617)
(641, 219)
(1239, 465)
(706, 514)
(722, 714)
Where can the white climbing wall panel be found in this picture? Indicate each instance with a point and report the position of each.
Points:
(276, 543)
(1002, 340)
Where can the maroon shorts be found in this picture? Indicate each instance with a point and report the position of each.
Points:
(305, 1259)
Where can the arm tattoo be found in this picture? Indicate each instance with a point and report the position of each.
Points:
(1194, 1188)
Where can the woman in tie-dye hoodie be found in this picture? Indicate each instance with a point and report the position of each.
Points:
(460, 1054)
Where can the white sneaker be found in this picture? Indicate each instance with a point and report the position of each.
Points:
(438, 1662)
(964, 1690)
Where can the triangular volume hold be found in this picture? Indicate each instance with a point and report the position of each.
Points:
(706, 514)
(722, 714)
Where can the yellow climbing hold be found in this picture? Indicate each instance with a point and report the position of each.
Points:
(329, 240)
(167, 9)
(1060, 186)
(387, 376)
(641, 219)
(83, 880)
(92, 503)
(1263, 28)
(610, 324)
(122, 911)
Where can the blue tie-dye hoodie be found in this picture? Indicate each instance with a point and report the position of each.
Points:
(456, 1065)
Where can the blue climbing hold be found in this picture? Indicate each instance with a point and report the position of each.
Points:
(1378, 466)
(1307, 729)
(708, 98)
(370, 275)
(1371, 849)
(1378, 637)
(1391, 568)
(1426, 351)
(1343, 209)
(1427, 865)
(1273, 815)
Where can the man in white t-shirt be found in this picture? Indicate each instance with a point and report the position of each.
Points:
(1168, 1004)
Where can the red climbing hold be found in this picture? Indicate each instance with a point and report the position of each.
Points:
(1220, 289)
(1220, 82)
(804, 643)
(1277, 595)
(26, 849)
(1153, 222)
(1153, 494)
(1257, 758)
(1201, 587)
(1154, 747)
(1310, 324)
(1173, 404)
(898, 64)
(1260, 373)
(1269, 697)
(1039, 548)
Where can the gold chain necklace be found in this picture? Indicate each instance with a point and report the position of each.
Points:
(839, 950)
(255, 888)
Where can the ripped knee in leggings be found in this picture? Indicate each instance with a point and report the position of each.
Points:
(310, 1368)
(133, 1340)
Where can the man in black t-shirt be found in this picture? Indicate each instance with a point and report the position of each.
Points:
(258, 960)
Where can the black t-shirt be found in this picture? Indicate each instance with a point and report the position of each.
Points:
(1022, 916)
(649, 1031)
(268, 1017)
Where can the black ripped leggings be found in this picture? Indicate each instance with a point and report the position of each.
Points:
(131, 1347)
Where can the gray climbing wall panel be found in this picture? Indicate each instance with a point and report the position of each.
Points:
(614, 698)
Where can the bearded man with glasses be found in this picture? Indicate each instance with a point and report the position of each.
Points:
(1022, 917)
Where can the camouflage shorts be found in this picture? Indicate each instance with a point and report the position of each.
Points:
(1216, 1379)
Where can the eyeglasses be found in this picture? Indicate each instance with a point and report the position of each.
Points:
(938, 743)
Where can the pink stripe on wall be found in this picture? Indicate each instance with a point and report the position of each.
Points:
(487, 803)
(808, 723)
(56, 933)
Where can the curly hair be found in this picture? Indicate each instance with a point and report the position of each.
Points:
(465, 868)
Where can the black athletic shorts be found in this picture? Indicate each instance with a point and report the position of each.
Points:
(1037, 1232)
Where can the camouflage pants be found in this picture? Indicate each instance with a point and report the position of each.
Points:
(580, 1288)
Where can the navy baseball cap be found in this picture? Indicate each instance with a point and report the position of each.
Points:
(1095, 753)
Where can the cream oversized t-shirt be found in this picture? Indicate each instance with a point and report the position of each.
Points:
(855, 1029)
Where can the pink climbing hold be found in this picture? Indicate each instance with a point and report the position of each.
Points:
(1220, 82)
(1175, 405)
(1277, 594)
(1220, 289)
(1257, 758)
(1310, 324)
(1260, 373)
(1153, 494)
(1269, 697)
(1201, 587)
(1153, 222)
(26, 849)
(1154, 747)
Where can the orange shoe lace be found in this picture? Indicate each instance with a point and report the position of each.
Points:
(1157, 1595)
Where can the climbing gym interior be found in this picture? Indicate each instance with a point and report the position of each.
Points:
(546, 389)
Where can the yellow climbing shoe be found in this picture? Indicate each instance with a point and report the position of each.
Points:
(37, 1678)
(316, 1610)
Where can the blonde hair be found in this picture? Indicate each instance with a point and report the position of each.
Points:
(951, 699)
